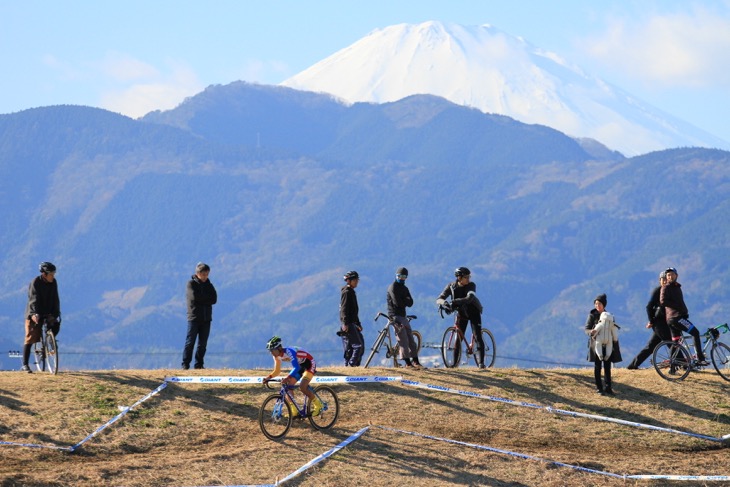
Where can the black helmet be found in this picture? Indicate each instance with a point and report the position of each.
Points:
(46, 267)
(402, 271)
(352, 275)
(462, 271)
(274, 342)
(670, 269)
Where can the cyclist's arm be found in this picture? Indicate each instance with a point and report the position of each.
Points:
(277, 368)
(444, 294)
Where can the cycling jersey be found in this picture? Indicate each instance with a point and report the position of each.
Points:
(303, 363)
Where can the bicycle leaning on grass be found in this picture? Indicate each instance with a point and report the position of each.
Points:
(279, 410)
(454, 339)
(392, 350)
(674, 359)
(45, 351)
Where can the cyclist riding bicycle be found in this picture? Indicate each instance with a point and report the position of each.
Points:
(43, 305)
(465, 303)
(672, 298)
(303, 369)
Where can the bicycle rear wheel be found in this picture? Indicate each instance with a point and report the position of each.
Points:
(418, 339)
(51, 353)
(376, 346)
(451, 348)
(671, 361)
(330, 411)
(39, 355)
(490, 347)
(274, 417)
(720, 355)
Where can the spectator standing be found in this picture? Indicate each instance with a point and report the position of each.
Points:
(350, 326)
(603, 348)
(43, 305)
(672, 298)
(399, 298)
(201, 296)
(657, 322)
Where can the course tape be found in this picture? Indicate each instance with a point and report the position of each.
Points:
(559, 411)
(258, 380)
(31, 445)
(566, 465)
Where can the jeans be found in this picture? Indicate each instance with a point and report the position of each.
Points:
(201, 331)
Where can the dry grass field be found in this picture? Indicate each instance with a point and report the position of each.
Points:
(206, 434)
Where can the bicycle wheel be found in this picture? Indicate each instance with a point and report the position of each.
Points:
(274, 417)
(39, 355)
(720, 356)
(490, 347)
(671, 361)
(418, 339)
(51, 353)
(451, 348)
(376, 347)
(327, 417)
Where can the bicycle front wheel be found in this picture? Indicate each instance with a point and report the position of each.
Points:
(51, 353)
(418, 339)
(39, 355)
(376, 346)
(330, 411)
(720, 355)
(451, 348)
(490, 347)
(274, 417)
(671, 361)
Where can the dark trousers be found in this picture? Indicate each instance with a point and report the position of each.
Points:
(659, 334)
(476, 329)
(606, 372)
(354, 345)
(201, 331)
(679, 325)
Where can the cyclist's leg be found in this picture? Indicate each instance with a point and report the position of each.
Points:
(683, 324)
(203, 334)
(358, 346)
(476, 329)
(32, 335)
(402, 332)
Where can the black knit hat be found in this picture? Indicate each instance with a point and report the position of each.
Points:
(602, 299)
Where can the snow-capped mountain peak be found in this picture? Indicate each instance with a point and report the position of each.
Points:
(485, 68)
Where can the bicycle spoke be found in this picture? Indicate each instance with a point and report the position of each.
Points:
(720, 356)
(274, 417)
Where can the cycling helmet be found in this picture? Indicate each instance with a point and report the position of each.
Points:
(462, 271)
(352, 275)
(274, 342)
(670, 269)
(47, 267)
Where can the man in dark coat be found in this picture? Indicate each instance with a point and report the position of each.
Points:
(657, 322)
(43, 305)
(353, 341)
(398, 299)
(201, 296)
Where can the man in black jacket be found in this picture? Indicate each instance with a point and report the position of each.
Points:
(657, 321)
(43, 305)
(399, 298)
(350, 327)
(201, 296)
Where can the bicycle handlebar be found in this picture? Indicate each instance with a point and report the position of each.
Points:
(380, 313)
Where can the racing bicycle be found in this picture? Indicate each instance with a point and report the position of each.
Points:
(392, 350)
(454, 340)
(674, 359)
(279, 410)
(45, 352)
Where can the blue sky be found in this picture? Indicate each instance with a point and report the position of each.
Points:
(136, 56)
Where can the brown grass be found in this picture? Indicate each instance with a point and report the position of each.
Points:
(198, 434)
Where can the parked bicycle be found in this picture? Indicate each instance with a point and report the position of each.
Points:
(454, 339)
(45, 352)
(674, 359)
(392, 349)
(279, 410)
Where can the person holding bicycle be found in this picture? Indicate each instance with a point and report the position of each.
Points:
(657, 322)
(672, 298)
(399, 298)
(43, 305)
(350, 328)
(466, 305)
(303, 369)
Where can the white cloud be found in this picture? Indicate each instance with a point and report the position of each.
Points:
(681, 49)
(123, 67)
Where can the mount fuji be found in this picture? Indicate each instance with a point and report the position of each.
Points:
(485, 68)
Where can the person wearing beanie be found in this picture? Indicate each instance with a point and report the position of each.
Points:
(201, 296)
(399, 298)
(657, 322)
(603, 348)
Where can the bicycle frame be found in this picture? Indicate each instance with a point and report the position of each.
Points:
(453, 338)
(392, 351)
(45, 351)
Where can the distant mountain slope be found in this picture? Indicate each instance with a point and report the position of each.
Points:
(485, 68)
(126, 208)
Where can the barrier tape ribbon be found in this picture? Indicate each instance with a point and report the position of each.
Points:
(343, 379)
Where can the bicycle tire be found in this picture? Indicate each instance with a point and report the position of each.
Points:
(418, 339)
(671, 361)
(274, 417)
(376, 346)
(327, 417)
(720, 355)
(451, 348)
(39, 355)
(490, 347)
(51, 353)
